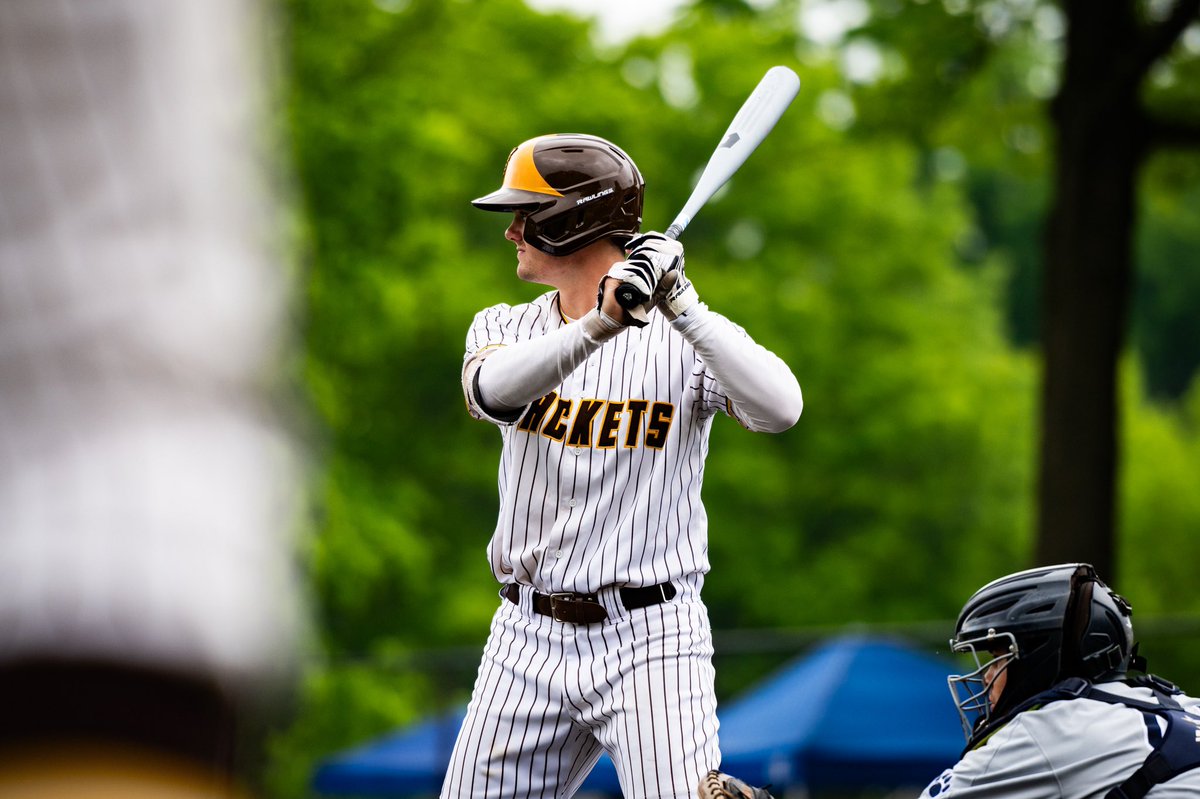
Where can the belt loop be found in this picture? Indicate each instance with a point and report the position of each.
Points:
(519, 595)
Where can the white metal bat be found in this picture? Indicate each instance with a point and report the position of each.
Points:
(753, 121)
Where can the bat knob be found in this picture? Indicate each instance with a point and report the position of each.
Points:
(629, 297)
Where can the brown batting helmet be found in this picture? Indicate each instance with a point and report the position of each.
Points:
(574, 188)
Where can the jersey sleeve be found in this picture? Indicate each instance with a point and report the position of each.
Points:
(491, 329)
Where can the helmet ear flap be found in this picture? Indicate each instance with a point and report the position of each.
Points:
(1076, 621)
(1097, 633)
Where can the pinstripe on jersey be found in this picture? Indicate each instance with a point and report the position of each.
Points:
(600, 481)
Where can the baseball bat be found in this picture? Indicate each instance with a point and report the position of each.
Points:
(753, 121)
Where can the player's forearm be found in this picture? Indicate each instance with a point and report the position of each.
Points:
(763, 390)
(513, 376)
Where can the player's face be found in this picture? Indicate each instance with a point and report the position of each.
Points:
(996, 677)
(533, 265)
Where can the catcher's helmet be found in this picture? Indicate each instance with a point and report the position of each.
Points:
(1043, 626)
(575, 189)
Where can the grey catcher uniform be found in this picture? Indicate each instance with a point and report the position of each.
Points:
(1078, 748)
(600, 641)
(1054, 712)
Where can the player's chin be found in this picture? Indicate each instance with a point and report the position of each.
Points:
(526, 271)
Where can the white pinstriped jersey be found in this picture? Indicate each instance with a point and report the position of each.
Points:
(600, 488)
(1069, 749)
(600, 479)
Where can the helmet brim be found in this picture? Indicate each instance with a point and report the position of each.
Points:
(506, 199)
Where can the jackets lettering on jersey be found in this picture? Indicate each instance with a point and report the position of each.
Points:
(600, 424)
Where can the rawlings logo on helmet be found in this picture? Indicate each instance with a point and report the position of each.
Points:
(591, 197)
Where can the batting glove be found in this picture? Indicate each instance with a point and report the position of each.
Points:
(638, 277)
(650, 257)
(657, 253)
(675, 295)
(638, 315)
(716, 785)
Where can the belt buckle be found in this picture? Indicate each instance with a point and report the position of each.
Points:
(567, 599)
(575, 608)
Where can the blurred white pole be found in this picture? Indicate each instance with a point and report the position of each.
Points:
(148, 491)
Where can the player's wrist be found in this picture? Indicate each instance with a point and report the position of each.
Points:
(598, 326)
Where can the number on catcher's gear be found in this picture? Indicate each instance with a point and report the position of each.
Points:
(716, 785)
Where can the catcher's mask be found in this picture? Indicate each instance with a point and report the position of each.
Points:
(1037, 627)
(575, 189)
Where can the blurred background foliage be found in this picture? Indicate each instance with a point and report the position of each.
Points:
(884, 241)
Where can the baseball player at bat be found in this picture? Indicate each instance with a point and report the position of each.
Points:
(600, 641)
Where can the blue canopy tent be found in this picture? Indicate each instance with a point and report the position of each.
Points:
(856, 712)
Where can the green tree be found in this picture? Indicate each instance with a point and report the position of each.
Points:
(1104, 132)
(1089, 66)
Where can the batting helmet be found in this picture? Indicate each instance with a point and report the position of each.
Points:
(575, 189)
(1043, 626)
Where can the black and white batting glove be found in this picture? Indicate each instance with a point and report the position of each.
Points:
(654, 242)
(650, 256)
(657, 252)
(675, 295)
(716, 785)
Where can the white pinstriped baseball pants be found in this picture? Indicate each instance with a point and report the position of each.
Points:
(551, 696)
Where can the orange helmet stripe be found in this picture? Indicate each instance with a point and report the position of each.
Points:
(521, 173)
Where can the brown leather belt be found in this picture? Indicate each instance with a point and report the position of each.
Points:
(586, 608)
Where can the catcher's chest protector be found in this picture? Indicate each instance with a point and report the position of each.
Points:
(1175, 751)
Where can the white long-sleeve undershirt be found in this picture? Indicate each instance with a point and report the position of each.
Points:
(517, 374)
(766, 396)
(764, 393)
